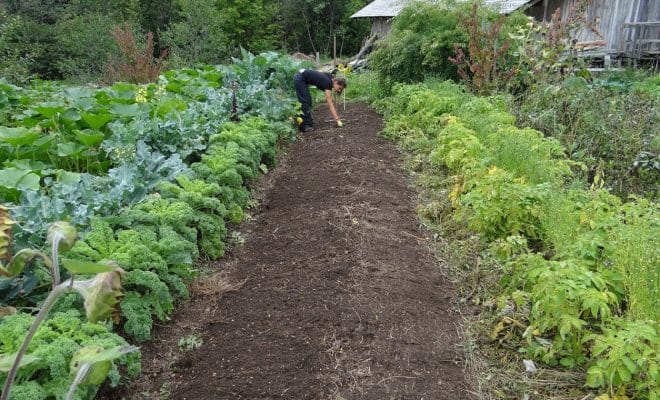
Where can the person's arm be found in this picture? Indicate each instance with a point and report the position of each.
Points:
(328, 98)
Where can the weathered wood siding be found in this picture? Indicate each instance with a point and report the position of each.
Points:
(608, 17)
(381, 26)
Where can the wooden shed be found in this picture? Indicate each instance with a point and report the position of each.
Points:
(617, 28)
(381, 12)
(624, 29)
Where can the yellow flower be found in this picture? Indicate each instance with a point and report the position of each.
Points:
(450, 119)
(493, 170)
(141, 95)
(160, 90)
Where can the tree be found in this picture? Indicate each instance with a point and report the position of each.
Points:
(84, 44)
(198, 35)
(15, 57)
(309, 26)
(156, 16)
(250, 24)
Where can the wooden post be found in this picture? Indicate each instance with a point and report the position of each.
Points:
(334, 51)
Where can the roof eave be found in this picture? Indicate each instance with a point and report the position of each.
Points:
(373, 16)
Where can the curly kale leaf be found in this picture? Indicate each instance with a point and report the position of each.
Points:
(213, 234)
(54, 344)
(157, 260)
(200, 195)
(210, 213)
(148, 296)
(157, 211)
(29, 390)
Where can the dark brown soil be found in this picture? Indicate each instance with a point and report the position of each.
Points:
(341, 297)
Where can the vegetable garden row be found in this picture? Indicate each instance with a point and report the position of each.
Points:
(578, 267)
(150, 175)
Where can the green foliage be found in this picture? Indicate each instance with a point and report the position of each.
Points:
(15, 56)
(576, 223)
(568, 301)
(84, 46)
(129, 132)
(499, 205)
(198, 36)
(580, 265)
(485, 65)
(249, 24)
(633, 248)
(136, 139)
(208, 200)
(363, 87)
(157, 260)
(156, 16)
(420, 43)
(190, 342)
(69, 40)
(54, 344)
(309, 26)
(603, 126)
(234, 157)
(627, 353)
(100, 295)
(148, 298)
(543, 50)
(425, 39)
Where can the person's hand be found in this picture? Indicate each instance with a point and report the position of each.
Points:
(339, 123)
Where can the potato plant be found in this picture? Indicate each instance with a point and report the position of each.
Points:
(579, 264)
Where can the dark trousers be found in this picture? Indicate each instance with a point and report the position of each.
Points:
(305, 99)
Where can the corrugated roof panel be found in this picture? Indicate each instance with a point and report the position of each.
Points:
(390, 8)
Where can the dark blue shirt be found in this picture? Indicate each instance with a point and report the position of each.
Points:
(321, 80)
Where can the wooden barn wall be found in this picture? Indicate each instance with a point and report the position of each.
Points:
(607, 17)
(381, 26)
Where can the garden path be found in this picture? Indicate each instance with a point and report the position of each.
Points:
(339, 298)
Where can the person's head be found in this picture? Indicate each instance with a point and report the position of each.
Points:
(339, 84)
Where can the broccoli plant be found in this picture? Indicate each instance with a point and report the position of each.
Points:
(100, 293)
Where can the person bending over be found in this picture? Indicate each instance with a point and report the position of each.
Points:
(323, 81)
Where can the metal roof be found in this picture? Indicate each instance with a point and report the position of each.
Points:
(380, 8)
(391, 8)
(507, 6)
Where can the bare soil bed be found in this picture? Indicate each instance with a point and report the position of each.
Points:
(334, 294)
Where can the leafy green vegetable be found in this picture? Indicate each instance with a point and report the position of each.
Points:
(54, 345)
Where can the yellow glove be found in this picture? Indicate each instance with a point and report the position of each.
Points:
(339, 123)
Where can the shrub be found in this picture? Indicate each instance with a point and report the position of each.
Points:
(420, 43)
(543, 51)
(85, 44)
(498, 205)
(135, 64)
(612, 131)
(483, 68)
(15, 56)
(198, 37)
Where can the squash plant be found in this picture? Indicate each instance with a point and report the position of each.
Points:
(101, 293)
